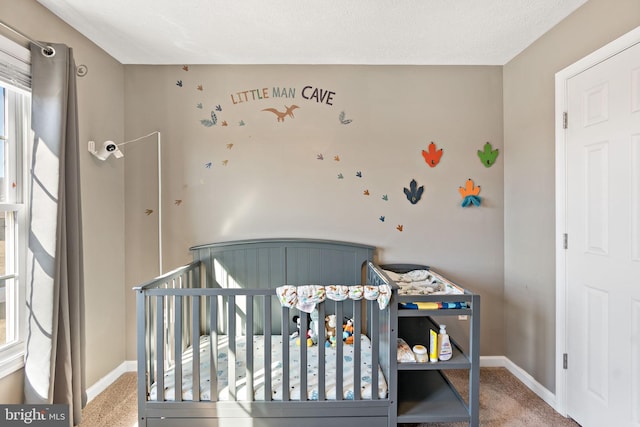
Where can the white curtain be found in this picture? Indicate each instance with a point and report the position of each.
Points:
(55, 355)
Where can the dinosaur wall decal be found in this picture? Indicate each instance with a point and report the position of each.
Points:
(280, 116)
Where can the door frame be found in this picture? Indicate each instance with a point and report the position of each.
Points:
(561, 83)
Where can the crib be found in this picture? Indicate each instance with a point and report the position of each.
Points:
(217, 345)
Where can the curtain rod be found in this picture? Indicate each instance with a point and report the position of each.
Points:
(46, 50)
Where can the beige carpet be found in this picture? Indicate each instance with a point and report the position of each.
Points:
(504, 401)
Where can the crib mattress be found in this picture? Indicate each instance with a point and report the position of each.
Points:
(276, 371)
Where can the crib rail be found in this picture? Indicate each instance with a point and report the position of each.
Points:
(176, 310)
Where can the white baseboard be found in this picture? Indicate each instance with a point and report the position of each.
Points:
(521, 375)
(107, 380)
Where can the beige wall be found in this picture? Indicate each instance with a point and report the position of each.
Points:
(101, 106)
(529, 177)
(273, 185)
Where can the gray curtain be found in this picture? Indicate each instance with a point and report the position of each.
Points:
(55, 355)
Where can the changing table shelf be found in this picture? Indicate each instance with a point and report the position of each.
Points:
(424, 394)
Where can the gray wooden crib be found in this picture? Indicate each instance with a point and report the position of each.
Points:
(212, 335)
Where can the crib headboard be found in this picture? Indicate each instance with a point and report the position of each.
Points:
(269, 263)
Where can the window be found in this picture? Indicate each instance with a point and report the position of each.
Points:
(15, 111)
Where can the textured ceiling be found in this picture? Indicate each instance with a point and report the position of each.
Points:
(419, 32)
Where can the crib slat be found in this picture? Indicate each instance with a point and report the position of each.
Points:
(249, 348)
(322, 336)
(267, 348)
(339, 353)
(195, 340)
(284, 327)
(177, 343)
(231, 335)
(357, 355)
(160, 348)
(374, 330)
(213, 347)
(304, 325)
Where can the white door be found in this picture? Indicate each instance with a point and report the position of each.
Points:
(603, 254)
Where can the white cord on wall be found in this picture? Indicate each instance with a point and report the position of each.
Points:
(159, 139)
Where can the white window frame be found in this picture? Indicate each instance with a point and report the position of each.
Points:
(18, 127)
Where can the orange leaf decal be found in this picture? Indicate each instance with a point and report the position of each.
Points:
(433, 156)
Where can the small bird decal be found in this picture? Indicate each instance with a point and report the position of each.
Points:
(365, 192)
(400, 227)
(488, 156)
(148, 212)
(199, 87)
(381, 218)
(177, 202)
(199, 105)
(336, 158)
(185, 67)
(433, 156)
(320, 157)
(385, 197)
(280, 116)
(241, 123)
(208, 165)
(179, 83)
(224, 123)
(340, 176)
(225, 162)
(229, 146)
(218, 107)
(359, 174)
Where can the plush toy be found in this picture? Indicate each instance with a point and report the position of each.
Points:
(347, 331)
(330, 330)
(312, 329)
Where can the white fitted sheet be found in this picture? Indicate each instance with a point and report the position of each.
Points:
(276, 371)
